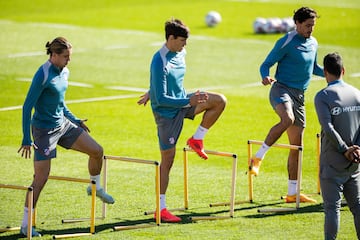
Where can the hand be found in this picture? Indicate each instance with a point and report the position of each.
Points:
(26, 150)
(83, 125)
(198, 97)
(143, 99)
(353, 154)
(268, 81)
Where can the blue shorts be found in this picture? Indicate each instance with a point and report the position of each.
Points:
(47, 139)
(169, 129)
(280, 93)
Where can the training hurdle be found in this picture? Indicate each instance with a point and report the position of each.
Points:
(186, 186)
(299, 173)
(233, 184)
(318, 147)
(157, 188)
(30, 201)
(93, 203)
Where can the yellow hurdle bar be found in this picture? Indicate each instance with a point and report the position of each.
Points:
(233, 184)
(299, 173)
(30, 201)
(318, 147)
(93, 207)
(71, 235)
(157, 187)
(194, 219)
(137, 226)
(69, 179)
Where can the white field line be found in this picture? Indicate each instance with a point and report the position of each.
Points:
(97, 99)
(71, 83)
(134, 89)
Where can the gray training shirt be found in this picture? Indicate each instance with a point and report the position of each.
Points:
(338, 110)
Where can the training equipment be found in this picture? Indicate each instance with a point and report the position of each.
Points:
(30, 201)
(212, 18)
(157, 188)
(259, 25)
(318, 147)
(287, 24)
(298, 186)
(93, 206)
(186, 186)
(197, 146)
(273, 25)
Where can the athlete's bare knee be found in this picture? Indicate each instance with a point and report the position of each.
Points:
(220, 101)
(97, 152)
(286, 122)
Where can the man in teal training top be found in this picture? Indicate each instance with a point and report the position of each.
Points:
(171, 104)
(295, 54)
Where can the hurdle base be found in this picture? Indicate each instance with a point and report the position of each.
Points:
(199, 218)
(121, 228)
(277, 210)
(72, 235)
(226, 203)
(75, 220)
(9, 229)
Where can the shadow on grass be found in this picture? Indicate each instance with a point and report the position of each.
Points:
(282, 210)
(185, 216)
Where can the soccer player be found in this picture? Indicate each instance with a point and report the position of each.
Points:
(338, 110)
(53, 123)
(295, 54)
(171, 104)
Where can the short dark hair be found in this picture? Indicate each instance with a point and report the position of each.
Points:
(176, 28)
(304, 13)
(58, 45)
(333, 64)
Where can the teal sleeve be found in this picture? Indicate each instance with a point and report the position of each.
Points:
(33, 94)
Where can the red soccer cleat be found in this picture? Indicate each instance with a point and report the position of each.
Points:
(167, 216)
(197, 146)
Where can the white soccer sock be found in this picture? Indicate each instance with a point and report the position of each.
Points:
(262, 151)
(25, 217)
(200, 133)
(97, 180)
(292, 187)
(162, 201)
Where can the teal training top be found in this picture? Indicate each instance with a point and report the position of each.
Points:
(47, 96)
(296, 61)
(167, 93)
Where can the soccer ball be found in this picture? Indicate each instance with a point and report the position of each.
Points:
(273, 25)
(259, 25)
(287, 24)
(212, 18)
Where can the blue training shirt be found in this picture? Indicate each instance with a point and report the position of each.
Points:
(167, 93)
(47, 96)
(296, 61)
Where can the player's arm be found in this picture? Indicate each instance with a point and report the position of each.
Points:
(273, 57)
(324, 116)
(32, 96)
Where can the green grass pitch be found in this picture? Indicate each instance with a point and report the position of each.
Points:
(113, 45)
